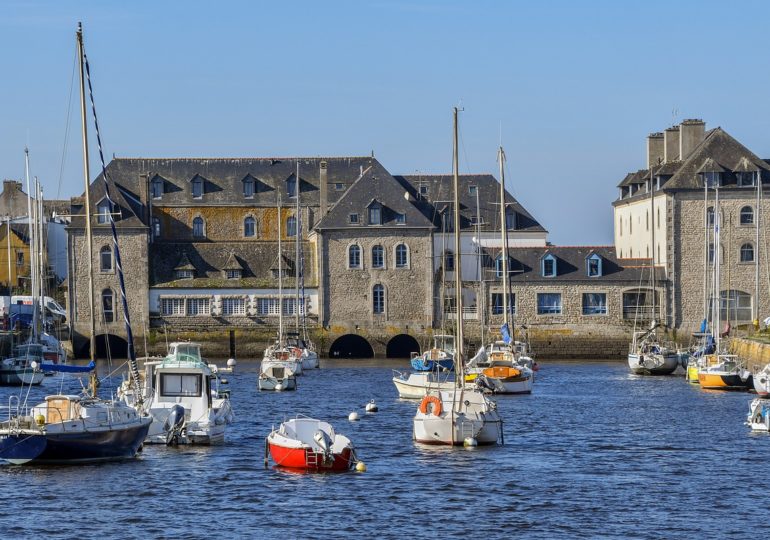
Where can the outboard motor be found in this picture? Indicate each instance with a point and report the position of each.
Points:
(483, 383)
(174, 425)
(325, 442)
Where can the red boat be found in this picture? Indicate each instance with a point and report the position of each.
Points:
(310, 444)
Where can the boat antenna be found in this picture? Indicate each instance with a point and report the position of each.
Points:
(110, 217)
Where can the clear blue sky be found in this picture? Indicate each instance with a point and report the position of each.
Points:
(576, 86)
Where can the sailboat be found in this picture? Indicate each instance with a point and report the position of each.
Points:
(504, 363)
(647, 355)
(71, 428)
(720, 370)
(462, 414)
(280, 365)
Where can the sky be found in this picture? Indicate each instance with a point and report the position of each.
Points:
(571, 89)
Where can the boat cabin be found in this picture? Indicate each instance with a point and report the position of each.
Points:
(444, 342)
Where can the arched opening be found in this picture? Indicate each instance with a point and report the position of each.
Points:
(110, 345)
(401, 346)
(351, 346)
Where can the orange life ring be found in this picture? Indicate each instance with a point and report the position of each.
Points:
(436, 405)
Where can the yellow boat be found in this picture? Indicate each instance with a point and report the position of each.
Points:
(692, 372)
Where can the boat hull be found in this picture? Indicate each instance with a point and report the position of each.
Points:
(309, 360)
(762, 383)
(13, 377)
(92, 446)
(758, 418)
(417, 386)
(653, 364)
(272, 384)
(724, 381)
(430, 429)
(306, 459)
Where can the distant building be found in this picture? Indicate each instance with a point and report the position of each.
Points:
(674, 198)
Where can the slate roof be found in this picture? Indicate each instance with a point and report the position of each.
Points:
(440, 196)
(208, 259)
(571, 266)
(376, 185)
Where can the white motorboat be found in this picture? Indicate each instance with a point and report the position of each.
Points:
(276, 375)
(502, 371)
(181, 394)
(23, 368)
(452, 416)
(758, 418)
(762, 381)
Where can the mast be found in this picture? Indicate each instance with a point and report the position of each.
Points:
(280, 278)
(482, 295)
(459, 361)
(296, 250)
(10, 289)
(41, 255)
(504, 233)
(758, 180)
(705, 251)
(86, 178)
(652, 247)
(716, 295)
(32, 245)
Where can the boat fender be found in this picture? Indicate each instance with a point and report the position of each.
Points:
(40, 420)
(360, 466)
(437, 408)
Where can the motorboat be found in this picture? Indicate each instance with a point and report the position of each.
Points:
(648, 356)
(416, 385)
(452, 416)
(280, 355)
(181, 394)
(440, 356)
(502, 370)
(23, 368)
(310, 444)
(276, 376)
(724, 372)
(758, 418)
(72, 429)
(302, 350)
(762, 381)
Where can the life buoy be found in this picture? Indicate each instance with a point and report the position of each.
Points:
(436, 405)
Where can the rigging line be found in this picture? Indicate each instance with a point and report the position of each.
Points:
(66, 128)
(118, 262)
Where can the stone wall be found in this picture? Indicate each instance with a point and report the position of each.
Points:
(754, 353)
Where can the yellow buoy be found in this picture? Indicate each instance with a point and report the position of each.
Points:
(360, 466)
(40, 420)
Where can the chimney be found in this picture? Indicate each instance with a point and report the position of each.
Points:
(323, 186)
(691, 134)
(671, 144)
(655, 144)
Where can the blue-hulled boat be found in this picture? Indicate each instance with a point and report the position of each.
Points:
(440, 357)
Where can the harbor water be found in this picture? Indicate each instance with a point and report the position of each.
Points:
(593, 452)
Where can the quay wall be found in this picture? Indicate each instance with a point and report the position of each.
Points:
(755, 353)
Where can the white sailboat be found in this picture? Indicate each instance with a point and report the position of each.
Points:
(503, 363)
(647, 354)
(463, 414)
(80, 429)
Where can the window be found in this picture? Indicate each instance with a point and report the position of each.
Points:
(248, 187)
(510, 219)
(157, 188)
(354, 256)
(711, 253)
(290, 306)
(497, 303)
(105, 259)
(233, 274)
(198, 306)
(472, 191)
(400, 219)
(499, 266)
(477, 220)
(594, 266)
(19, 258)
(268, 306)
(378, 257)
(172, 306)
(291, 226)
(747, 253)
(180, 384)
(108, 305)
(423, 190)
(747, 215)
(448, 221)
(549, 266)
(402, 256)
(199, 228)
(746, 179)
(710, 216)
(249, 227)
(197, 187)
(712, 179)
(184, 274)
(735, 306)
(375, 215)
(594, 303)
(339, 186)
(378, 299)
(156, 227)
(103, 211)
(353, 218)
(548, 303)
(233, 306)
(637, 304)
(291, 186)
(449, 261)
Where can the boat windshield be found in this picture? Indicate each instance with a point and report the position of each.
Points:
(185, 352)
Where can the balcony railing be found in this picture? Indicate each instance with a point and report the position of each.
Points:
(469, 313)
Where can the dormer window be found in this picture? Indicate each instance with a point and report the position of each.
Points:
(339, 186)
(594, 265)
(510, 219)
(103, 211)
(233, 274)
(472, 190)
(291, 226)
(400, 219)
(156, 187)
(746, 179)
(712, 179)
(291, 186)
(423, 190)
(197, 187)
(184, 274)
(375, 214)
(499, 266)
(353, 219)
(548, 266)
(477, 220)
(248, 187)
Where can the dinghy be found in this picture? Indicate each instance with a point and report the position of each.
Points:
(310, 444)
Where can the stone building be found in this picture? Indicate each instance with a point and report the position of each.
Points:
(666, 212)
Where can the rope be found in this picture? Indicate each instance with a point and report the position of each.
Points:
(118, 262)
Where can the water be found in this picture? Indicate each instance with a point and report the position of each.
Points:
(594, 452)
